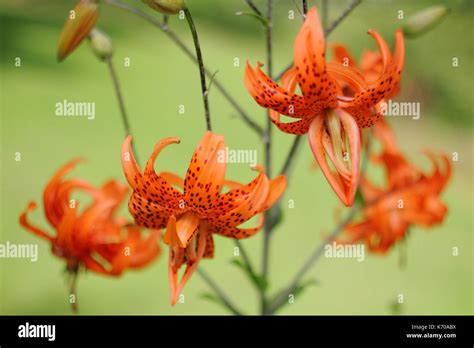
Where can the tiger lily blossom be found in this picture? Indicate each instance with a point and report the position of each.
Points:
(331, 117)
(78, 26)
(81, 236)
(370, 64)
(410, 197)
(199, 209)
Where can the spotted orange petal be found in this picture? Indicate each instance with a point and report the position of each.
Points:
(318, 87)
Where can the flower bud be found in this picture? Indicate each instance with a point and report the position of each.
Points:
(101, 44)
(79, 24)
(424, 20)
(166, 6)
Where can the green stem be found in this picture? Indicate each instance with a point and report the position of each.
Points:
(245, 256)
(220, 294)
(118, 92)
(73, 276)
(267, 228)
(305, 7)
(319, 250)
(253, 7)
(202, 72)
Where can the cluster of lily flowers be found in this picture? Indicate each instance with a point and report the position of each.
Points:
(338, 99)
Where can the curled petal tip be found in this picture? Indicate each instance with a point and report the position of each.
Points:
(31, 206)
(257, 167)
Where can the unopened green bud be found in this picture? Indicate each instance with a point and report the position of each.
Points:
(101, 44)
(166, 6)
(424, 20)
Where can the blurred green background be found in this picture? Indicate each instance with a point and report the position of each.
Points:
(160, 79)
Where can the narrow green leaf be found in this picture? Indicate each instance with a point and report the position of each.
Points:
(256, 279)
(262, 20)
(298, 291)
(212, 298)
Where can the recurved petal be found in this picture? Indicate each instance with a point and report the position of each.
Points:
(241, 204)
(440, 177)
(142, 250)
(361, 105)
(205, 175)
(26, 224)
(53, 206)
(318, 87)
(297, 127)
(277, 187)
(355, 232)
(383, 133)
(95, 225)
(132, 171)
(371, 61)
(342, 55)
(269, 95)
(289, 80)
(240, 233)
(347, 75)
(369, 191)
(152, 194)
(93, 265)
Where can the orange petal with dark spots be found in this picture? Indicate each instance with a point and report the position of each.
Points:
(362, 104)
(271, 96)
(206, 171)
(179, 232)
(318, 87)
(241, 204)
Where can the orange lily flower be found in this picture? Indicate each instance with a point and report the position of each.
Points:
(76, 29)
(192, 216)
(370, 65)
(331, 118)
(410, 197)
(82, 236)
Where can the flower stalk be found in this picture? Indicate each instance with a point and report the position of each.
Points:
(202, 72)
